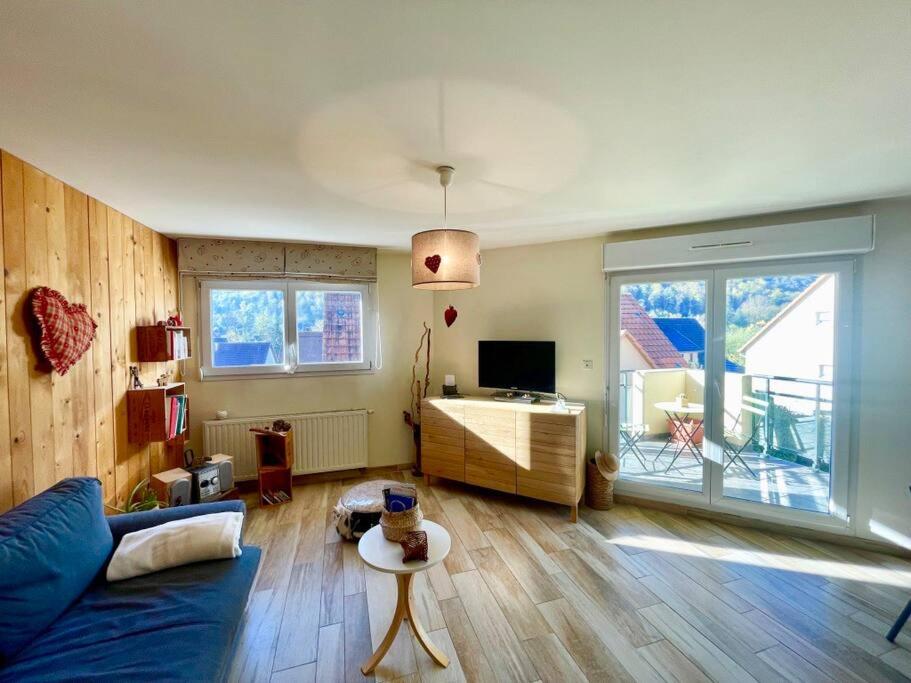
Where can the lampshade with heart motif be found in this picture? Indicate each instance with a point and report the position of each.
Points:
(445, 259)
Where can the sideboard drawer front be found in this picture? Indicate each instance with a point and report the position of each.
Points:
(443, 468)
(491, 475)
(453, 437)
(491, 443)
(440, 411)
(554, 492)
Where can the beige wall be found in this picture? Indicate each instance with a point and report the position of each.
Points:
(385, 391)
(881, 464)
(541, 292)
(556, 291)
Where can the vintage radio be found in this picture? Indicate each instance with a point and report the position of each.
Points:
(173, 487)
(225, 470)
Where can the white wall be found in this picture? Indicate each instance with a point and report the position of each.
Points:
(556, 291)
(402, 309)
(541, 292)
(881, 364)
(883, 507)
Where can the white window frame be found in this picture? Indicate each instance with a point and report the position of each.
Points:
(368, 326)
(288, 365)
(844, 458)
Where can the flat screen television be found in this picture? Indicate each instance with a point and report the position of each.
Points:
(521, 365)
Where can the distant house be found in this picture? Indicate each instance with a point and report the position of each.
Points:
(230, 354)
(688, 337)
(808, 319)
(643, 345)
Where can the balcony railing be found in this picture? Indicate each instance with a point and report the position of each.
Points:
(796, 426)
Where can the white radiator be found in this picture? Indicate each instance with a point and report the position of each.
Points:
(322, 441)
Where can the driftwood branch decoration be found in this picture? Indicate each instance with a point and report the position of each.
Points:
(413, 417)
(417, 392)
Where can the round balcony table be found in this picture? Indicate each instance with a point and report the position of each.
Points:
(677, 415)
(386, 556)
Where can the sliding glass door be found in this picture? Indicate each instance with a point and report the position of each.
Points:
(731, 387)
(661, 402)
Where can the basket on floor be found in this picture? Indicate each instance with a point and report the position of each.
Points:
(396, 524)
(599, 491)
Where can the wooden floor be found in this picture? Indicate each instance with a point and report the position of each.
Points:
(630, 594)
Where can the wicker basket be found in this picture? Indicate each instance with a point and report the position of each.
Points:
(599, 492)
(397, 524)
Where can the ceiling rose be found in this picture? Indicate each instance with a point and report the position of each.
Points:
(378, 145)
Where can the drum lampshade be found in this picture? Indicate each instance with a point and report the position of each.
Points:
(445, 259)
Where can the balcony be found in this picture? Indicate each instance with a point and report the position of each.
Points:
(781, 427)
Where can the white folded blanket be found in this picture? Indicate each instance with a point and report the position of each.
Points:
(195, 539)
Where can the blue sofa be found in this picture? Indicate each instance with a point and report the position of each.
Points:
(60, 619)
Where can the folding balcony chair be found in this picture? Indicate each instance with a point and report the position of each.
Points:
(737, 438)
(632, 434)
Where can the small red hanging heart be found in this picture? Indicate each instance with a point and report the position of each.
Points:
(433, 262)
(450, 315)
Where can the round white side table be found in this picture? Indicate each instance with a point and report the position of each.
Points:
(386, 556)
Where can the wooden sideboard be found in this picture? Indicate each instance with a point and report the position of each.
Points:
(528, 449)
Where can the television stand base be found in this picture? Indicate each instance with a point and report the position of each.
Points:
(516, 397)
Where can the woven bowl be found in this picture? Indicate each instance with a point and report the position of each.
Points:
(396, 524)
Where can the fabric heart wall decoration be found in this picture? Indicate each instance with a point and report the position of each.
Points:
(67, 329)
(433, 263)
(450, 315)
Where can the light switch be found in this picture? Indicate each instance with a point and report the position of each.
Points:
(587, 364)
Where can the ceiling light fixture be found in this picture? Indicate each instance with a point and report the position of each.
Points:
(445, 258)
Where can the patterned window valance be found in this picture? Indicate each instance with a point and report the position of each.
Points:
(242, 257)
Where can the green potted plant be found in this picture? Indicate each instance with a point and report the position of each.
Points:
(141, 498)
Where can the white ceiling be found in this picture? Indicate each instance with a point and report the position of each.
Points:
(323, 120)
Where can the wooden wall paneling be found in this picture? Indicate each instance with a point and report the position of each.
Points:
(54, 426)
(77, 230)
(102, 363)
(80, 290)
(119, 371)
(158, 247)
(6, 463)
(17, 337)
(135, 454)
(40, 391)
(144, 260)
(59, 278)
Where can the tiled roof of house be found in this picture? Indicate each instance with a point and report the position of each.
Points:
(653, 343)
(229, 354)
(686, 334)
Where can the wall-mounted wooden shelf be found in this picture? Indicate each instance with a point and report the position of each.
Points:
(160, 343)
(149, 413)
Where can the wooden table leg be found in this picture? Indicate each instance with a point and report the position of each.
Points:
(403, 611)
(435, 653)
(399, 614)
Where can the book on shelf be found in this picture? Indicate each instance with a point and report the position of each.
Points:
(172, 419)
(178, 349)
(176, 423)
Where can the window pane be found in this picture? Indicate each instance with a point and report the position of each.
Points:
(329, 327)
(247, 327)
(779, 356)
(662, 383)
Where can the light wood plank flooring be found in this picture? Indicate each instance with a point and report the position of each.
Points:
(629, 594)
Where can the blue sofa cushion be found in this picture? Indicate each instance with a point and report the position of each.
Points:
(174, 625)
(51, 548)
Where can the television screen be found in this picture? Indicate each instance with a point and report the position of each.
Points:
(523, 365)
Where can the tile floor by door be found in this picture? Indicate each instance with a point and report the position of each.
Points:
(629, 594)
